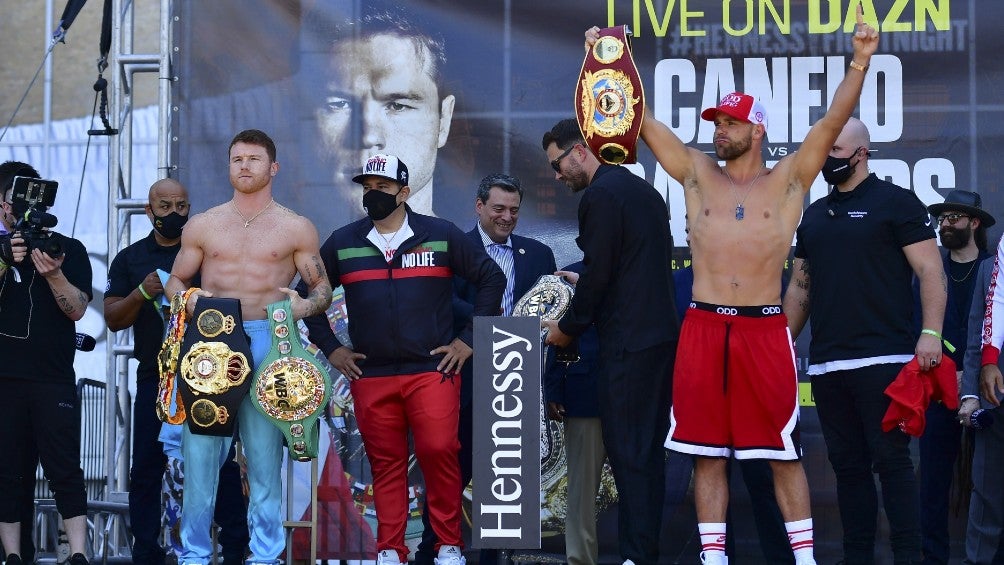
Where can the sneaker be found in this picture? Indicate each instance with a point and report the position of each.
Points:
(78, 559)
(388, 557)
(714, 558)
(450, 555)
(13, 559)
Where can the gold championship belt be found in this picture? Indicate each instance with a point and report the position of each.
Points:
(291, 388)
(167, 361)
(609, 100)
(215, 365)
(550, 297)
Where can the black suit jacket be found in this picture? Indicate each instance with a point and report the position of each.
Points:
(531, 259)
(626, 287)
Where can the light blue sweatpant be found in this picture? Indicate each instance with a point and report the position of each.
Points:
(203, 456)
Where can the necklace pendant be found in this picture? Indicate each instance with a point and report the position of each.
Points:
(740, 212)
(247, 224)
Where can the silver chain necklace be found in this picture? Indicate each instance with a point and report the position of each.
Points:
(247, 222)
(740, 209)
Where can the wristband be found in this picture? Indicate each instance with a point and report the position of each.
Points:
(948, 346)
(3, 265)
(143, 292)
(858, 66)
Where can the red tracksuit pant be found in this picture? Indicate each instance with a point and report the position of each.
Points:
(429, 405)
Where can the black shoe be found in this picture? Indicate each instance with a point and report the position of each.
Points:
(13, 559)
(78, 559)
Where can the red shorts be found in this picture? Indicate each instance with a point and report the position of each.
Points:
(735, 387)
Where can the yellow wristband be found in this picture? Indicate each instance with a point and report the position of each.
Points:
(859, 67)
(143, 292)
(948, 346)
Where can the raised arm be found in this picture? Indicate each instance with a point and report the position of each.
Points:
(674, 156)
(808, 160)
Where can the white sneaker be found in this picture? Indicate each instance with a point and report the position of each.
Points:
(714, 558)
(450, 555)
(388, 557)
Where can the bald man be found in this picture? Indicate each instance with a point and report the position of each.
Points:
(864, 242)
(132, 299)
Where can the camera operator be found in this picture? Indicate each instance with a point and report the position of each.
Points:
(40, 299)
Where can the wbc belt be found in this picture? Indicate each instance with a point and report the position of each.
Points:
(550, 297)
(291, 388)
(215, 366)
(609, 100)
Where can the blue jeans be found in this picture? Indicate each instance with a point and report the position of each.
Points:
(851, 405)
(262, 442)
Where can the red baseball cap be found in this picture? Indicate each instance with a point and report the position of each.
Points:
(740, 106)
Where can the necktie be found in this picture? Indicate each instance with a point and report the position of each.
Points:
(502, 254)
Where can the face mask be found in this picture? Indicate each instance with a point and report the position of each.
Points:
(169, 226)
(379, 204)
(836, 170)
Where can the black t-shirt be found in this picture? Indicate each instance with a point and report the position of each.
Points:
(36, 338)
(861, 301)
(127, 271)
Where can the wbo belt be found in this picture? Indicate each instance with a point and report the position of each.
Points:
(610, 101)
(291, 388)
(215, 366)
(550, 297)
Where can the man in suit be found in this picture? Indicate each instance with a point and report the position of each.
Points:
(523, 260)
(982, 375)
(626, 289)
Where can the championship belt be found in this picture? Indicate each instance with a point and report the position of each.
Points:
(215, 365)
(609, 100)
(550, 297)
(167, 361)
(291, 388)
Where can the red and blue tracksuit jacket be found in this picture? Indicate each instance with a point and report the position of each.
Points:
(400, 311)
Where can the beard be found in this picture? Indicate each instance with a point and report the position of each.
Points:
(955, 238)
(734, 149)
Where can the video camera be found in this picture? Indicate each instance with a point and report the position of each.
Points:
(31, 199)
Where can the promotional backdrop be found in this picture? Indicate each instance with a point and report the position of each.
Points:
(306, 73)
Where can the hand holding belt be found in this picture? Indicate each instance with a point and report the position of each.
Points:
(215, 365)
(291, 388)
(610, 101)
(550, 297)
(167, 361)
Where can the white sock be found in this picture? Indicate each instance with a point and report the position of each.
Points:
(800, 537)
(712, 538)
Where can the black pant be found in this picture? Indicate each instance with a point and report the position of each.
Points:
(43, 417)
(771, 532)
(939, 447)
(146, 477)
(636, 388)
(851, 405)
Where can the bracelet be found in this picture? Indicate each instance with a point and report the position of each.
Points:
(948, 346)
(143, 292)
(858, 66)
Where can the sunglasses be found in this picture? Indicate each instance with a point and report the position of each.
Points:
(952, 218)
(556, 164)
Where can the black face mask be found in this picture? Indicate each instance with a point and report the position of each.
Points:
(379, 204)
(169, 226)
(836, 170)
